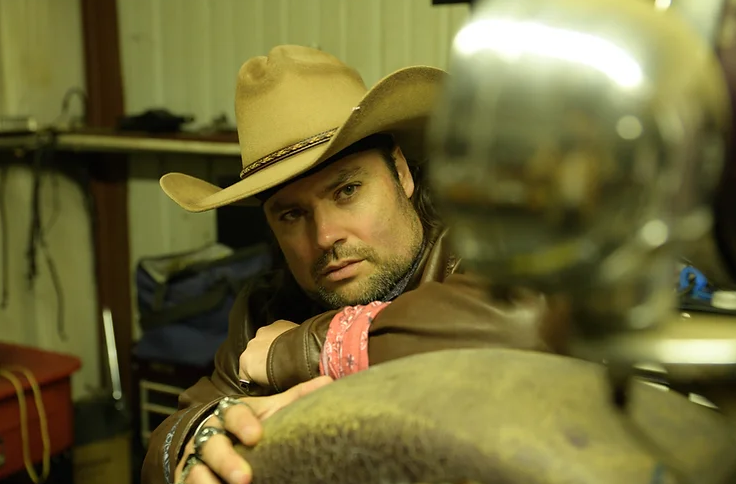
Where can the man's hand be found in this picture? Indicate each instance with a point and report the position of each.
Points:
(253, 359)
(244, 422)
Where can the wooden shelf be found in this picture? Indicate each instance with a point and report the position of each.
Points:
(225, 144)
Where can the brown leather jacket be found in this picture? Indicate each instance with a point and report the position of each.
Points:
(440, 309)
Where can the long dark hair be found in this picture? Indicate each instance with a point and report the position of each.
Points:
(422, 196)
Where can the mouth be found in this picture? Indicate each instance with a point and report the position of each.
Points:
(341, 270)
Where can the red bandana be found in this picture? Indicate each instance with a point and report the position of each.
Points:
(346, 348)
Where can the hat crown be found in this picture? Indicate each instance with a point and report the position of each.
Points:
(289, 96)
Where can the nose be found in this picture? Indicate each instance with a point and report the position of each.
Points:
(328, 229)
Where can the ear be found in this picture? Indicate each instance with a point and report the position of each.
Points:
(402, 168)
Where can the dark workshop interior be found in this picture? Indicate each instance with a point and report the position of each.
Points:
(114, 299)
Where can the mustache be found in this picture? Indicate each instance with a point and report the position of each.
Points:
(338, 253)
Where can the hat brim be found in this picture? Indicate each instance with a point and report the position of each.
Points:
(400, 103)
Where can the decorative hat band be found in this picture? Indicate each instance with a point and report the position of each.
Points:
(290, 150)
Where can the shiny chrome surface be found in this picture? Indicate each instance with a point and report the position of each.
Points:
(577, 143)
(705, 16)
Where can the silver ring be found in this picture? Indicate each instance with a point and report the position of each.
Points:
(192, 460)
(205, 434)
(224, 404)
(245, 385)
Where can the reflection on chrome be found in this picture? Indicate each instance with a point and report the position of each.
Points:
(513, 39)
(576, 145)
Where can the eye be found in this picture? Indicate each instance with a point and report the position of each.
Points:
(291, 215)
(347, 191)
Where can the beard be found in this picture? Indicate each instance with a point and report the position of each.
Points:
(389, 272)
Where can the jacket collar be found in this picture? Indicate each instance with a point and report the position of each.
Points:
(277, 296)
(434, 262)
(437, 260)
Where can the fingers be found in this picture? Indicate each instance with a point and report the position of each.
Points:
(283, 325)
(200, 474)
(220, 459)
(243, 422)
(307, 387)
(188, 450)
(218, 453)
(267, 406)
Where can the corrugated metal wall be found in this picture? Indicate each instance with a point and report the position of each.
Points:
(182, 55)
(35, 312)
(41, 57)
(185, 54)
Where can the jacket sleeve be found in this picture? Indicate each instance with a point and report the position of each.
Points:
(197, 403)
(294, 355)
(461, 312)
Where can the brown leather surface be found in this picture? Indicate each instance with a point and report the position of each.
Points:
(446, 309)
(492, 416)
(294, 356)
(460, 312)
(441, 309)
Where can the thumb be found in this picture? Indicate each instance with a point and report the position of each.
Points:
(302, 389)
(277, 402)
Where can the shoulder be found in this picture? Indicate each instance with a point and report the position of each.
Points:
(440, 258)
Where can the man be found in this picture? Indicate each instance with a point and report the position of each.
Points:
(367, 273)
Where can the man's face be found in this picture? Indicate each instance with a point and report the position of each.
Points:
(349, 232)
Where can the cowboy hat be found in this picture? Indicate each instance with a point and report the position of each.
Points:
(297, 107)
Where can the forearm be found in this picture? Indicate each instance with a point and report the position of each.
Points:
(460, 313)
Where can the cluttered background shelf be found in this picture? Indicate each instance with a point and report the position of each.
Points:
(77, 219)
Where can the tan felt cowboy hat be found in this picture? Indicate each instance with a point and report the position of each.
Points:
(297, 107)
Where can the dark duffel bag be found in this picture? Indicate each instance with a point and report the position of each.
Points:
(184, 300)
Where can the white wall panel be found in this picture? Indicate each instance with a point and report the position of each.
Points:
(32, 313)
(185, 54)
(41, 56)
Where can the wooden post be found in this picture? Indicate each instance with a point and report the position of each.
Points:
(109, 179)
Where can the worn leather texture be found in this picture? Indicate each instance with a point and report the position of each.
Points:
(492, 416)
(442, 308)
